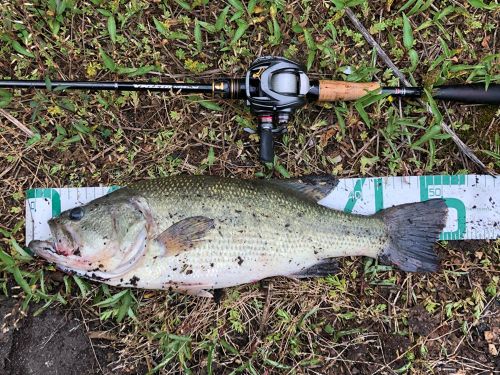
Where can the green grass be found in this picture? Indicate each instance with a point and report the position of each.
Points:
(367, 312)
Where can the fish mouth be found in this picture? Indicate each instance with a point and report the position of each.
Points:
(42, 247)
(49, 251)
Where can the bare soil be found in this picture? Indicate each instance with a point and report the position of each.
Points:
(53, 342)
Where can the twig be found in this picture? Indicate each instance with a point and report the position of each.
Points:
(263, 320)
(101, 335)
(461, 145)
(16, 122)
(380, 52)
(265, 313)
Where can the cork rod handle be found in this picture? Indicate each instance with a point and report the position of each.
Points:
(330, 91)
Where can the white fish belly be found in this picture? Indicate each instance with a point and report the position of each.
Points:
(234, 259)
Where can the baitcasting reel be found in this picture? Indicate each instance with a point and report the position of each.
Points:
(275, 87)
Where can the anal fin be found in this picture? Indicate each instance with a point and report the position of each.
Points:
(327, 266)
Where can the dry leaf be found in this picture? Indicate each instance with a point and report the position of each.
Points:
(489, 336)
(486, 41)
(325, 137)
(101, 335)
(258, 9)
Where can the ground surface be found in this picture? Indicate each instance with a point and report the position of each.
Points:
(45, 344)
(367, 318)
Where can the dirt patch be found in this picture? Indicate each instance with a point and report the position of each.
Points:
(6, 331)
(468, 246)
(51, 343)
(421, 322)
(394, 348)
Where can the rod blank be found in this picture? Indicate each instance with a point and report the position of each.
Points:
(197, 88)
(472, 94)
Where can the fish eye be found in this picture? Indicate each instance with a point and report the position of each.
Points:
(76, 213)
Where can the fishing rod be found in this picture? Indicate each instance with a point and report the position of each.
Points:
(273, 88)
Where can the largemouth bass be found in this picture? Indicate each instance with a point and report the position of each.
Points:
(196, 233)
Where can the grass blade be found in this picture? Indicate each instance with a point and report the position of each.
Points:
(111, 300)
(407, 33)
(221, 19)
(108, 61)
(160, 27)
(481, 5)
(19, 48)
(20, 281)
(5, 98)
(237, 4)
(112, 28)
(243, 26)
(210, 105)
(197, 35)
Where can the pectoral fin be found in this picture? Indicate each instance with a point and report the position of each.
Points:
(312, 187)
(185, 234)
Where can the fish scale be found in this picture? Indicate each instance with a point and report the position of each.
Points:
(261, 234)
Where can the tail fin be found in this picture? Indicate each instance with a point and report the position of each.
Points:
(413, 228)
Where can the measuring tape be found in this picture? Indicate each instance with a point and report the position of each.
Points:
(473, 201)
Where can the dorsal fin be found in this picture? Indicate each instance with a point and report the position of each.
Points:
(184, 234)
(312, 187)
